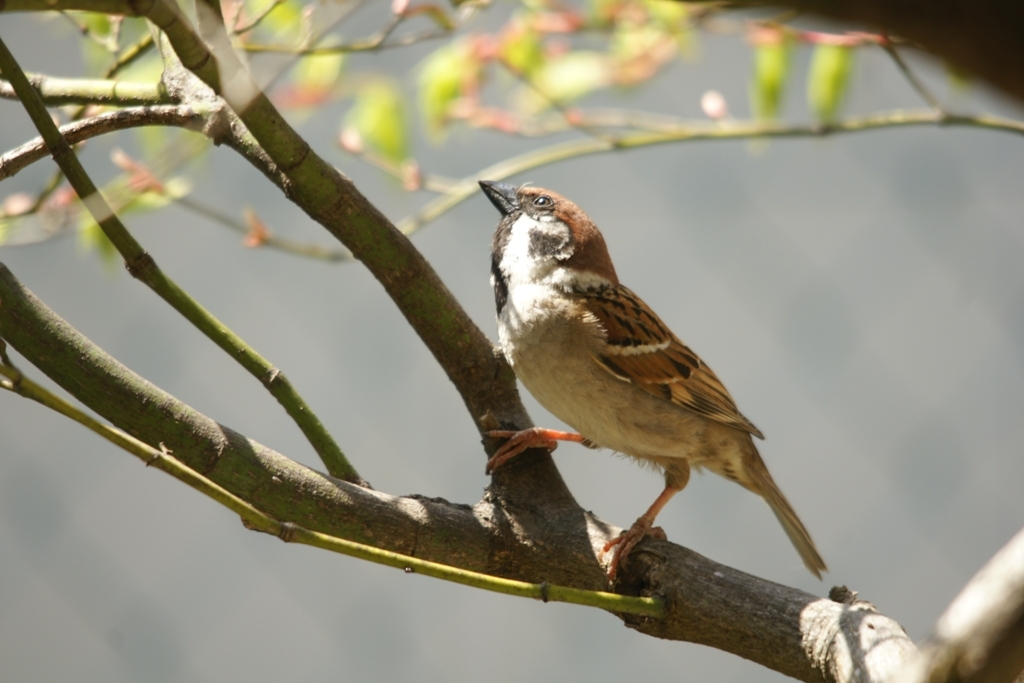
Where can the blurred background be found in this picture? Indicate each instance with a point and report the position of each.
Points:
(861, 295)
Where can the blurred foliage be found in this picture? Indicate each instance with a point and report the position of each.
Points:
(137, 189)
(772, 56)
(379, 117)
(533, 71)
(828, 79)
(445, 75)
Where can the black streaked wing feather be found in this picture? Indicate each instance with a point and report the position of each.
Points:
(653, 358)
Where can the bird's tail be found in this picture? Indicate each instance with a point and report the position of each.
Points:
(765, 486)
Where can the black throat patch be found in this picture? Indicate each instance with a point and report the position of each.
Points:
(500, 282)
(498, 244)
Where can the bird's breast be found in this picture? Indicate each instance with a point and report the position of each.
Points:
(552, 344)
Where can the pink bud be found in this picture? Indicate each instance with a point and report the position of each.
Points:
(351, 141)
(17, 204)
(713, 105)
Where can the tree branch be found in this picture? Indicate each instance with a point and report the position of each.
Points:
(143, 267)
(180, 116)
(59, 91)
(118, 7)
(163, 460)
(532, 531)
(331, 199)
(678, 133)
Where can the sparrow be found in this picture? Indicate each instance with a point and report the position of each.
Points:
(598, 358)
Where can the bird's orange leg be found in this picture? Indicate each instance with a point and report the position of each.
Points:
(644, 526)
(518, 442)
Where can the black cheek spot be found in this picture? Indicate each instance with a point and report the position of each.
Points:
(554, 243)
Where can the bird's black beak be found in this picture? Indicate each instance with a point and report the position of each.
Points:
(501, 195)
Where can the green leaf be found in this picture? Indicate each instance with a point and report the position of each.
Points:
(521, 47)
(675, 18)
(566, 79)
(379, 117)
(444, 75)
(175, 188)
(91, 238)
(602, 12)
(768, 82)
(285, 23)
(829, 77)
(632, 40)
(318, 73)
(670, 13)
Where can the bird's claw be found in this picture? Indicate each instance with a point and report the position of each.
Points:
(519, 441)
(625, 542)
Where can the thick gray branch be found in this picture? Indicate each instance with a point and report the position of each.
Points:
(527, 526)
(980, 637)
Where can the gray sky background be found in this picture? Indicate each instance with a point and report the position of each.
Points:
(861, 296)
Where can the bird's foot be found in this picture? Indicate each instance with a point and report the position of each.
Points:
(535, 437)
(624, 543)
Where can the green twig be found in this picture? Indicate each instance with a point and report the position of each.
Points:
(378, 41)
(911, 77)
(142, 266)
(331, 199)
(252, 518)
(737, 130)
(289, 246)
(238, 30)
(60, 91)
(127, 57)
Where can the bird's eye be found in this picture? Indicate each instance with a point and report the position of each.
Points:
(543, 201)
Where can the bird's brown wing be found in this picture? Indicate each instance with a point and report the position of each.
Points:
(642, 350)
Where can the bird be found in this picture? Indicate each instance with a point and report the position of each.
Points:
(599, 359)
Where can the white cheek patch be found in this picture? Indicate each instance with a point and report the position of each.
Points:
(521, 260)
(518, 247)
